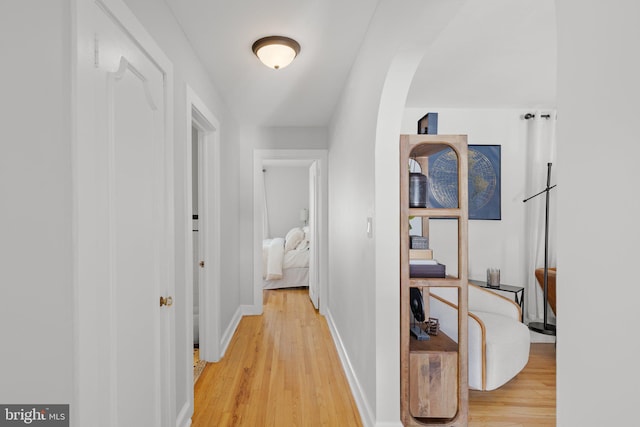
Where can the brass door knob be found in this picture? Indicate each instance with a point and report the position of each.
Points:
(168, 301)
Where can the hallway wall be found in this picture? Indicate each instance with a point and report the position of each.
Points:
(598, 208)
(287, 192)
(36, 271)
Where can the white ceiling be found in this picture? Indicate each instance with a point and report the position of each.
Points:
(302, 94)
(495, 53)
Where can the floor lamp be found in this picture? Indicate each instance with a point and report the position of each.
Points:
(545, 327)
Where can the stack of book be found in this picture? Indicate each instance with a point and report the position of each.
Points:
(422, 264)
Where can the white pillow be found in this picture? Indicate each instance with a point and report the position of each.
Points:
(307, 232)
(304, 244)
(293, 238)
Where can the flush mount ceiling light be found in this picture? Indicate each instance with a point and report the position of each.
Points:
(276, 51)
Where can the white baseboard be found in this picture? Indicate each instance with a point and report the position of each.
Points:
(184, 419)
(541, 338)
(366, 414)
(231, 329)
(243, 310)
(251, 310)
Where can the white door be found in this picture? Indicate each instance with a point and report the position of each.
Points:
(125, 223)
(313, 234)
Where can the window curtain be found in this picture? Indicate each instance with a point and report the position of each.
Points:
(541, 150)
(265, 212)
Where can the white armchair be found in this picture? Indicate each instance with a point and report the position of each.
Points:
(498, 341)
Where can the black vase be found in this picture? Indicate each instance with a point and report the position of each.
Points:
(417, 190)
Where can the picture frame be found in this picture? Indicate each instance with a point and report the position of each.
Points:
(428, 124)
(484, 181)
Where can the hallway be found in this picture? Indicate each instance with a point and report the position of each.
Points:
(281, 369)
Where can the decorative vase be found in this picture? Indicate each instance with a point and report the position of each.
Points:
(417, 190)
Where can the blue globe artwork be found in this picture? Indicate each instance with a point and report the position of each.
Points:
(484, 181)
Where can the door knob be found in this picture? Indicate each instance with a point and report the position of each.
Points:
(168, 301)
(202, 264)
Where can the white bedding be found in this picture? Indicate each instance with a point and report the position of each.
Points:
(291, 278)
(272, 258)
(285, 261)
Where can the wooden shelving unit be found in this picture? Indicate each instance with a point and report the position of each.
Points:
(433, 373)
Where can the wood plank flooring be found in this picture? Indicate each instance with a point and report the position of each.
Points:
(528, 400)
(282, 369)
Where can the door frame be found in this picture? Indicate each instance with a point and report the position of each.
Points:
(93, 392)
(208, 127)
(314, 256)
(306, 157)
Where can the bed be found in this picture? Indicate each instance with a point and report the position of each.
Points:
(285, 260)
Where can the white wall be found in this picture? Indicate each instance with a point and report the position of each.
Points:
(492, 243)
(36, 318)
(287, 192)
(598, 205)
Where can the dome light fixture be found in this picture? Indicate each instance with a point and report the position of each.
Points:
(276, 51)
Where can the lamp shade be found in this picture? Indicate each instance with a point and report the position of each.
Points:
(276, 51)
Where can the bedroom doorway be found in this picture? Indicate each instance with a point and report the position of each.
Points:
(311, 215)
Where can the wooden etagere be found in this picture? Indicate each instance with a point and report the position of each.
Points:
(433, 373)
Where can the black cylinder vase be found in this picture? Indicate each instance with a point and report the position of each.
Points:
(417, 190)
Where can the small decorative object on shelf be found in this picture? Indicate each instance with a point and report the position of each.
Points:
(433, 326)
(419, 242)
(417, 190)
(428, 124)
(493, 277)
(418, 315)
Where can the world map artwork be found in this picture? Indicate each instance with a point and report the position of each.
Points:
(483, 184)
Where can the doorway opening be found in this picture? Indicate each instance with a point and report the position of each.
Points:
(197, 263)
(202, 242)
(306, 211)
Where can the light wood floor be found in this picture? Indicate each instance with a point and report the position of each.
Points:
(282, 369)
(528, 400)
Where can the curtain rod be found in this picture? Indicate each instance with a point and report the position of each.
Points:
(528, 116)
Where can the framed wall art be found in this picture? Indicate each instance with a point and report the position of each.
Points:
(484, 181)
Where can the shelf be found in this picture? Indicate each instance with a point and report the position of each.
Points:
(436, 212)
(428, 145)
(440, 342)
(434, 373)
(428, 150)
(435, 282)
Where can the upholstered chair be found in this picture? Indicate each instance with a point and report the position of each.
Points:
(498, 341)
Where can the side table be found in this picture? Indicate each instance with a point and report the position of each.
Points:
(517, 291)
